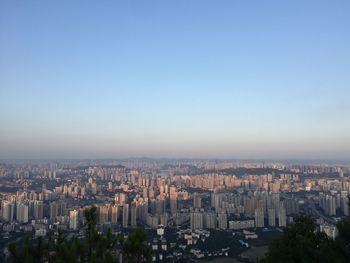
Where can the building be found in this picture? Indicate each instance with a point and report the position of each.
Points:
(53, 211)
(241, 224)
(125, 220)
(209, 220)
(282, 219)
(272, 217)
(73, 219)
(330, 230)
(196, 220)
(38, 210)
(331, 205)
(114, 214)
(328, 204)
(216, 200)
(160, 230)
(344, 205)
(62, 208)
(197, 201)
(122, 198)
(103, 214)
(259, 217)
(173, 203)
(222, 220)
(133, 213)
(8, 210)
(22, 213)
(160, 206)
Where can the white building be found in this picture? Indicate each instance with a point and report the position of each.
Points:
(73, 219)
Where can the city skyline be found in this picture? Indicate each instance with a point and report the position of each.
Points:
(178, 80)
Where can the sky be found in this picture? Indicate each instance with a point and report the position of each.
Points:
(186, 79)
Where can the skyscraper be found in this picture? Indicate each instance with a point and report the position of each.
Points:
(173, 200)
(103, 214)
(259, 217)
(272, 217)
(196, 220)
(73, 219)
(209, 220)
(62, 208)
(216, 200)
(114, 214)
(125, 221)
(122, 198)
(222, 220)
(38, 209)
(133, 213)
(8, 210)
(282, 220)
(22, 213)
(53, 211)
(197, 201)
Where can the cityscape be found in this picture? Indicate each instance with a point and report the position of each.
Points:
(184, 205)
(174, 131)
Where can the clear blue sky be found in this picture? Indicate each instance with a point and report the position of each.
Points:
(236, 79)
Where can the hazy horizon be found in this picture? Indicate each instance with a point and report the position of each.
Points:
(184, 79)
(165, 160)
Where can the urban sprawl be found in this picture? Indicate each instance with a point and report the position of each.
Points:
(191, 209)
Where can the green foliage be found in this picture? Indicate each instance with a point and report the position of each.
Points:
(134, 249)
(342, 242)
(29, 252)
(94, 248)
(301, 243)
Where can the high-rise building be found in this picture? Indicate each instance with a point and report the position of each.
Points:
(122, 198)
(38, 209)
(216, 200)
(330, 205)
(133, 213)
(8, 210)
(274, 201)
(114, 214)
(53, 211)
(160, 206)
(73, 219)
(272, 217)
(103, 214)
(63, 208)
(150, 193)
(172, 190)
(125, 221)
(222, 220)
(292, 206)
(259, 217)
(144, 210)
(163, 219)
(22, 213)
(282, 219)
(344, 205)
(197, 201)
(209, 220)
(173, 203)
(145, 192)
(196, 220)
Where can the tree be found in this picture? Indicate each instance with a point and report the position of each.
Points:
(300, 243)
(94, 248)
(133, 248)
(29, 252)
(342, 241)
